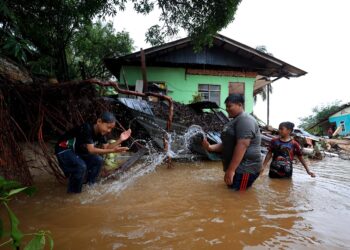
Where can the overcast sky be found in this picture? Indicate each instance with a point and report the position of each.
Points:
(310, 34)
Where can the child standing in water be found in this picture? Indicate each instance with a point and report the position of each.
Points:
(282, 151)
(78, 151)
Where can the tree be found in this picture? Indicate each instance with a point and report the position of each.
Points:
(268, 88)
(201, 19)
(319, 113)
(95, 42)
(263, 92)
(51, 26)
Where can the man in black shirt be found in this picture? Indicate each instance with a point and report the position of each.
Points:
(240, 147)
(78, 151)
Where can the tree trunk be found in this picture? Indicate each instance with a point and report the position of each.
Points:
(62, 64)
(82, 70)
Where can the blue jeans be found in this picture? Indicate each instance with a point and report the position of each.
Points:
(76, 167)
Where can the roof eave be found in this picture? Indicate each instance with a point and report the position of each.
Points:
(285, 69)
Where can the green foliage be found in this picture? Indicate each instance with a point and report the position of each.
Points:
(50, 34)
(51, 25)
(201, 19)
(39, 241)
(8, 189)
(10, 44)
(155, 35)
(15, 233)
(196, 98)
(319, 113)
(95, 42)
(17, 49)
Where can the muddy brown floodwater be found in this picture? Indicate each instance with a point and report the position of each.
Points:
(189, 207)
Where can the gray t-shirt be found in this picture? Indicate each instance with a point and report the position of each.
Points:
(243, 126)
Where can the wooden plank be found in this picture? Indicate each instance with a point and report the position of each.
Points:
(213, 72)
(132, 160)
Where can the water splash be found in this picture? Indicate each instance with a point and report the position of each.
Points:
(177, 144)
(123, 180)
(192, 132)
(138, 141)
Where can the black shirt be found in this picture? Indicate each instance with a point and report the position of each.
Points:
(78, 137)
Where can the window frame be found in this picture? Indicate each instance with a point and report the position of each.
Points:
(208, 90)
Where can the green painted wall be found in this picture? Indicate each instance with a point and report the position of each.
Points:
(182, 87)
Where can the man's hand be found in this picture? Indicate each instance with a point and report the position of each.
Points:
(312, 174)
(262, 169)
(205, 144)
(125, 135)
(120, 149)
(229, 177)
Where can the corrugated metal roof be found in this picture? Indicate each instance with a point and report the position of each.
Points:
(225, 53)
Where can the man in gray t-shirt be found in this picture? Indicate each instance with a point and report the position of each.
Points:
(240, 147)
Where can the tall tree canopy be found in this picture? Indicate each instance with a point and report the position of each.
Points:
(201, 19)
(94, 42)
(47, 29)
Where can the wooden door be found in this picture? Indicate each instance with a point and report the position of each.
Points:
(236, 88)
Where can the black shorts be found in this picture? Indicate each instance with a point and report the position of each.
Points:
(243, 181)
(276, 175)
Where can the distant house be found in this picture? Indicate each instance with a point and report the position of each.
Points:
(340, 118)
(212, 73)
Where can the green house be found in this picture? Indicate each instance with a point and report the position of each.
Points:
(210, 74)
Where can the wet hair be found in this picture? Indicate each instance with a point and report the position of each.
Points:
(107, 117)
(235, 98)
(287, 125)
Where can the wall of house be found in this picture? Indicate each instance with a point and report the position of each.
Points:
(182, 87)
(344, 111)
(342, 118)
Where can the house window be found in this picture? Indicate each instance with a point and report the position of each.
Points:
(209, 92)
(342, 124)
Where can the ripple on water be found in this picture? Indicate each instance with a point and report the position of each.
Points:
(217, 220)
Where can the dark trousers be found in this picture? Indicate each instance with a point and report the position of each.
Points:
(243, 181)
(76, 167)
(275, 175)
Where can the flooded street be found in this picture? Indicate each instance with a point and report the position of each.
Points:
(189, 207)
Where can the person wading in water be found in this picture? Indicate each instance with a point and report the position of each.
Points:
(282, 151)
(78, 150)
(240, 147)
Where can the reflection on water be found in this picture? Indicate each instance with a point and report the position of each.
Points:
(189, 207)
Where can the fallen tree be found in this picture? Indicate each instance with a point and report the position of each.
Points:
(37, 113)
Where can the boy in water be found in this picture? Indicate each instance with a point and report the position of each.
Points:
(78, 153)
(282, 151)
